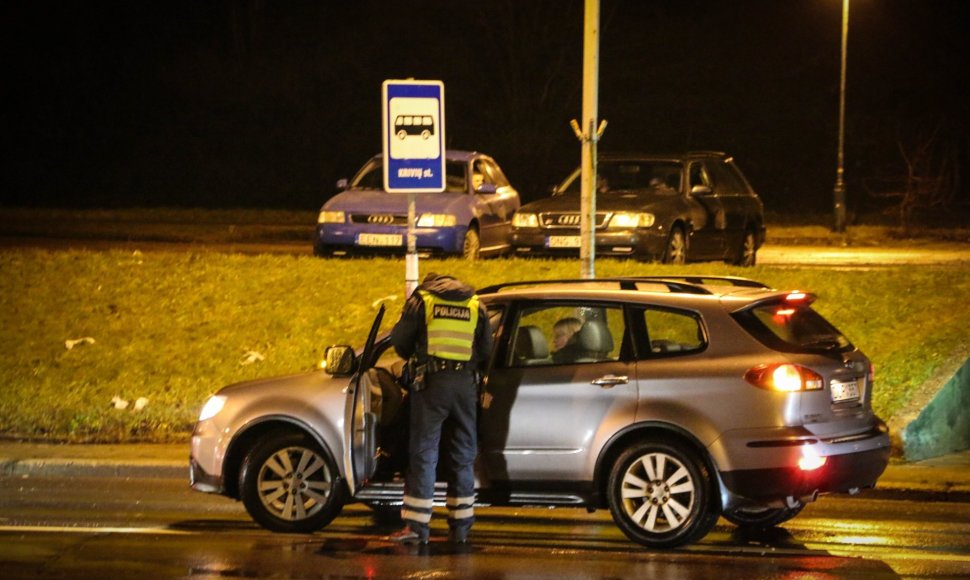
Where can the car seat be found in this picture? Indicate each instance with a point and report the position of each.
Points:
(595, 340)
(531, 346)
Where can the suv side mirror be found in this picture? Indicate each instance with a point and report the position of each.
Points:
(486, 188)
(340, 360)
(342, 184)
(701, 190)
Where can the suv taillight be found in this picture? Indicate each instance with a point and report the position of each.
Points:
(784, 377)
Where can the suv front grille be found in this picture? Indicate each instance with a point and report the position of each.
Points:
(567, 219)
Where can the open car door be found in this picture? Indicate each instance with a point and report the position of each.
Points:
(360, 422)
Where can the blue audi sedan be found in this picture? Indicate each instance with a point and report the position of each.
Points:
(471, 218)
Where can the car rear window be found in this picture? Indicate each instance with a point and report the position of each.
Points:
(792, 328)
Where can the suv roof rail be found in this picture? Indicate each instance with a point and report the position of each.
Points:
(679, 284)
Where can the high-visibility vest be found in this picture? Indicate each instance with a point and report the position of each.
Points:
(451, 326)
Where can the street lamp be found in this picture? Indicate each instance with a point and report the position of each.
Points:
(839, 191)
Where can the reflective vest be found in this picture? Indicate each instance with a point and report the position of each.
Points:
(451, 326)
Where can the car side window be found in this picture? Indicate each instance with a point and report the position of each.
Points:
(673, 332)
(699, 175)
(455, 179)
(730, 178)
(567, 334)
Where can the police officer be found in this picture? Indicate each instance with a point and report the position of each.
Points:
(444, 331)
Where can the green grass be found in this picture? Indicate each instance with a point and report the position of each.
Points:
(262, 225)
(174, 327)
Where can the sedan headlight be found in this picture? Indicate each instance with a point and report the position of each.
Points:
(436, 220)
(525, 220)
(628, 220)
(331, 217)
(212, 407)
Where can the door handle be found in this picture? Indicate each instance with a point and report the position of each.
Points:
(610, 381)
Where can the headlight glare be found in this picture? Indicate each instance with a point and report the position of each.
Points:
(331, 217)
(626, 220)
(525, 220)
(436, 220)
(212, 407)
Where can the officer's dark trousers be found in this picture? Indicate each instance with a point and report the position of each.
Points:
(451, 396)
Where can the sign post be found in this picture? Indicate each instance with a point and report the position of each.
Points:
(413, 123)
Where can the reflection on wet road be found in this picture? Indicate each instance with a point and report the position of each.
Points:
(54, 527)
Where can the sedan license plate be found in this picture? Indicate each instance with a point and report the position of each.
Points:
(380, 240)
(562, 242)
(844, 391)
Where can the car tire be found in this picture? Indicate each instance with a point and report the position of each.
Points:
(472, 247)
(676, 250)
(747, 255)
(661, 495)
(290, 485)
(761, 517)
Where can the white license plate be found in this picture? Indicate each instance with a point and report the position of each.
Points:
(380, 240)
(846, 391)
(562, 241)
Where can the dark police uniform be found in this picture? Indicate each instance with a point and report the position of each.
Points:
(445, 329)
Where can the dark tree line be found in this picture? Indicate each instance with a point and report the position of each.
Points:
(267, 103)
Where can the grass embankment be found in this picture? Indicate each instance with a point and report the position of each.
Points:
(261, 225)
(174, 327)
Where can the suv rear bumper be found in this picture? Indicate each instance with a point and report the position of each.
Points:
(851, 463)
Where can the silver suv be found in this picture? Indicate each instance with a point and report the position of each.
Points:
(670, 401)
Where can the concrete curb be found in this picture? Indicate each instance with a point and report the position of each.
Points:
(92, 468)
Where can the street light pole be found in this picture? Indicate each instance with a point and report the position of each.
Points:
(839, 191)
(588, 134)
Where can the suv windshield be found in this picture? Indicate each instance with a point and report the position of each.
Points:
(788, 328)
(655, 176)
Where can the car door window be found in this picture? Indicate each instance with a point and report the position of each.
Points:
(567, 334)
(673, 332)
(699, 175)
(455, 179)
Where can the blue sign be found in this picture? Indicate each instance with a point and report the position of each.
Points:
(414, 135)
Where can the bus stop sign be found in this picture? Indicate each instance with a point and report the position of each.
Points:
(413, 123)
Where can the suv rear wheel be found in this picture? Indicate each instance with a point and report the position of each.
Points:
(661, 495)
(290, 485)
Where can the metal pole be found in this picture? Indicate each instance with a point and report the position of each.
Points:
(839, 191)
(587, 218)
(411, 259)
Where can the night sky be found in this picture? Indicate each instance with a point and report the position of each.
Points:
(248, 103)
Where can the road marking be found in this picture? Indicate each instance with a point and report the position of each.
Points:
(99, 530)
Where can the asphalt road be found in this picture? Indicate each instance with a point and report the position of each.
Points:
(158, 528)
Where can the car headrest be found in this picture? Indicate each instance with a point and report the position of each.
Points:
(595, 336)
(530, 343)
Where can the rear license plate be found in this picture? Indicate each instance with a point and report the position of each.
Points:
(562, 242)
(846, 391)
(380, 240)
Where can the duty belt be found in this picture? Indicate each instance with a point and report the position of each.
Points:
(436, 365)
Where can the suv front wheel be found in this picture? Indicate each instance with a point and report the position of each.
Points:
(661, 495)
(290, 485)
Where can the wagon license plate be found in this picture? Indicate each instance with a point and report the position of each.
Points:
(562, 242)
(844, 391)
(380, 240)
